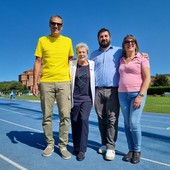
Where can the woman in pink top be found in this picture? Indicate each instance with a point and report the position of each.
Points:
(134, 81)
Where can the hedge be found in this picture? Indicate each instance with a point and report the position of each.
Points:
(158, 90)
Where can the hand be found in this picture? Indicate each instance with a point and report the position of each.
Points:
(137, 103)
(71, 58)
(35, 90)
(145, 55)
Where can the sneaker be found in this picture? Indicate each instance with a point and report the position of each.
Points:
(102, 149)
(110, 155)
(48, 151)
(65, 153)
(80, 156)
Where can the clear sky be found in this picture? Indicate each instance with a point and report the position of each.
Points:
(22, 22)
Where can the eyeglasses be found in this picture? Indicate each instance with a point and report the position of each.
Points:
(54, 23)
(128, 42)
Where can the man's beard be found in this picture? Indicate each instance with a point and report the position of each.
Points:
(104, 44)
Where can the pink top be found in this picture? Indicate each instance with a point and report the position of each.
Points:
(131, 74)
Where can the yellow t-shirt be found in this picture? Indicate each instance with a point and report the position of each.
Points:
(55, 53)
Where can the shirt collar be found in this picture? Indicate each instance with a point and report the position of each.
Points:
(110, 47)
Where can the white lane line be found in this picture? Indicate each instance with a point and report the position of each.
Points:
(152, 127)
(20, 113)
(26, 127)
(119, 122)
(12, 162)
(161, 163)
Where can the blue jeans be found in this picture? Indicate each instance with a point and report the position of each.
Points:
(132, 119)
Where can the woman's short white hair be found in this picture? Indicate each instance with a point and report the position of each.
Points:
(82, 45)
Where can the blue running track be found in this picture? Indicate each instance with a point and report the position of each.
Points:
(22, 141)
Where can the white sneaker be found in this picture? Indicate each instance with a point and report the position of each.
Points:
(102, 149)
(110, 155)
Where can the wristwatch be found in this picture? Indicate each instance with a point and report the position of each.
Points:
(141, 95)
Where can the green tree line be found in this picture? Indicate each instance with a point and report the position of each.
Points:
(160, 80)
(16, 86)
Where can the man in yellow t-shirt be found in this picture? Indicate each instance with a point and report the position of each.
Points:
(52, 54)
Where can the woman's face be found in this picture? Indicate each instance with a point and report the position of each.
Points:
(130, 45)
(82, 53)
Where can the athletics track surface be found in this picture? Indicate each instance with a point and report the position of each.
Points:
(22, 141)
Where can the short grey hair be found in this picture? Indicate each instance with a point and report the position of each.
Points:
(56, 16)
(82, 45)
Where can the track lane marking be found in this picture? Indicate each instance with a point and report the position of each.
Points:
(24, 114)
(12, 162)
(157, 162)
(20, 113)
(26, 127)
(151, 127)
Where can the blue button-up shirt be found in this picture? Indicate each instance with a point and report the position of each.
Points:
(106, 66)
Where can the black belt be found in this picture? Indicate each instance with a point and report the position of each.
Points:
(106, 87)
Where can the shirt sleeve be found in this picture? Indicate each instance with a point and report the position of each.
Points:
(71, 53)
(145, 63)
(39, 50)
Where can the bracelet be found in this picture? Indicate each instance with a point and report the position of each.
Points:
(35, 84)
(141, 95)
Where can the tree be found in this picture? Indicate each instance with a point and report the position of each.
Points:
(13, 85)
(161, 80)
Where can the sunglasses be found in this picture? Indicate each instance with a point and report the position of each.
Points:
(54, 23)
(128, 42)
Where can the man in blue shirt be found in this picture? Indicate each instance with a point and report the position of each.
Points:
(106, 60)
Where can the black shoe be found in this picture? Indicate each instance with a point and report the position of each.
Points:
(128, 156)
(136, 157)
(80, 156)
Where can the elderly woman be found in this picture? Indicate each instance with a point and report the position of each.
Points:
(134, 81)
(83, 90)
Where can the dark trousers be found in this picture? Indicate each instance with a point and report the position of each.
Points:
(80, 125)
(107, 108)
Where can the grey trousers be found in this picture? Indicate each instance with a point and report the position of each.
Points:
(61, 92)
(107, 108)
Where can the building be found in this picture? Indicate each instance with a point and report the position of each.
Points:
(26, 78)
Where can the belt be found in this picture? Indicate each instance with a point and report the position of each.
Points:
(106, 87)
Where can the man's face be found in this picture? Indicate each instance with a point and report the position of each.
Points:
(104, 39)
(56, 25)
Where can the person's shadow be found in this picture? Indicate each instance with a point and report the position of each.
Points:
(37, 140)
(32, 139)
(29, 138)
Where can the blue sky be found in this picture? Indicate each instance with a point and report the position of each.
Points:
(24, 21)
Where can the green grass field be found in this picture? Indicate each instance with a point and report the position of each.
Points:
(156, 104)
(27, 97)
